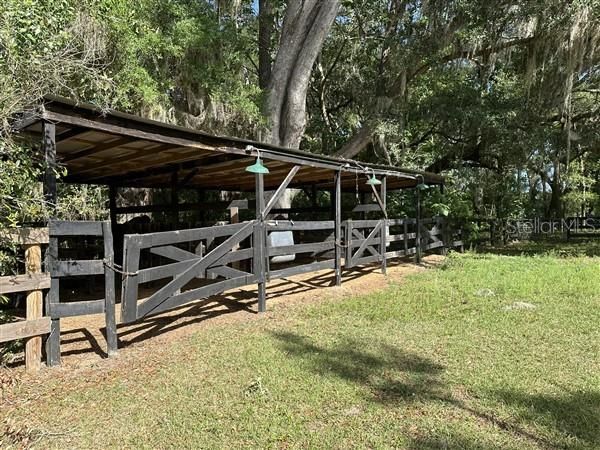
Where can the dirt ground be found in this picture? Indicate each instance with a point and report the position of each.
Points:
(83, 345)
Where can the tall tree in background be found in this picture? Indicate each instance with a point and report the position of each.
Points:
(306, 25)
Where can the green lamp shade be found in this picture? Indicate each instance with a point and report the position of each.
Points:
(373, 181)
(421, 186)
(257, 167)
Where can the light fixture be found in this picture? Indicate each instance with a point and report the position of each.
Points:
(421, 186)
(373, 181)
(258, 166)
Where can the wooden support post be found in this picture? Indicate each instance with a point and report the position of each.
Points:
(405, 233)
(49, 149)
(338, 227)
(109, 291)
(383, 232)
(52, 298)
(418, 226)
(260, 243)
(234, 217)
(50, 196)
(33, 345)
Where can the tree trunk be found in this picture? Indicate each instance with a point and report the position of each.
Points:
(306, 25)
(265, 33)
(555, 208)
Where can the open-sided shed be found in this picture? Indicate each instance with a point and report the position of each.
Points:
(166, 269)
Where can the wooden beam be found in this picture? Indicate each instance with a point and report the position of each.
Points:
(383, 233)
(22, 283)
(338, 228)
(24, 329)
(97, 149)
(25, 236)
(259, 243)
(280, 191)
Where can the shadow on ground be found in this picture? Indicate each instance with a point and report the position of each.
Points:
(393, 377)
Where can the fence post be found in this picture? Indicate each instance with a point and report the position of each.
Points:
(259, 241)
(33, 345)
(338, 228)
(418, 226)
(383, 233)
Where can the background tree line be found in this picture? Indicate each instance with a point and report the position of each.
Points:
(502, 97)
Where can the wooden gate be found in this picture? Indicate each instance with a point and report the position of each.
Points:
(365, 241)
(431, 233)
(185, 266)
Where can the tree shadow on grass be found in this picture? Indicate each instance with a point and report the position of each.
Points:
(573, 413)
(394, 377)
(390, 373)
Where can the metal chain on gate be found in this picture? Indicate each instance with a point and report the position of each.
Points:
(118, 268)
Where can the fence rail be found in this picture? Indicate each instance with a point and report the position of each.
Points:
(33, 282)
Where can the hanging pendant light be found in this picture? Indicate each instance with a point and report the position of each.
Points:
(421, 186)
(258, 166)
(373, 181)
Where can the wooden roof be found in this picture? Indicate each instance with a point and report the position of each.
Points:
(113, 148)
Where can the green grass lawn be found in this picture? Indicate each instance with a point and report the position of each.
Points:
(484, 352)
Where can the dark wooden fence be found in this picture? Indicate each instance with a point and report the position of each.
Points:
(33, 283)
(165, 270)
(61, 268)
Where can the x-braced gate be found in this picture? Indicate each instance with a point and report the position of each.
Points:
(184, 267)
(365, 242)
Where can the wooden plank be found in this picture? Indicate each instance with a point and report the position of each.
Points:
(434, 245)
(300, 226)
(24, 329)
(196, 268)
(170, 270)
(72, 309)
(384, 225)
(130, 286)
(338, 228)
(365, 223)
(362, 240)
(300, 248)
(22, 283)
(109, 291)
(75, 228)
(395, 254)
(49, 149)
(202, 293)
(59, 269)
(280, 190)
(25, 236)
(369, 207)
(53, 341)
(195, 234)
(97, 149)
(348, 229)
(305, 268)
(174, 253)
(366, 260)
(259, 242)
(228, 272)
(34, 310)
